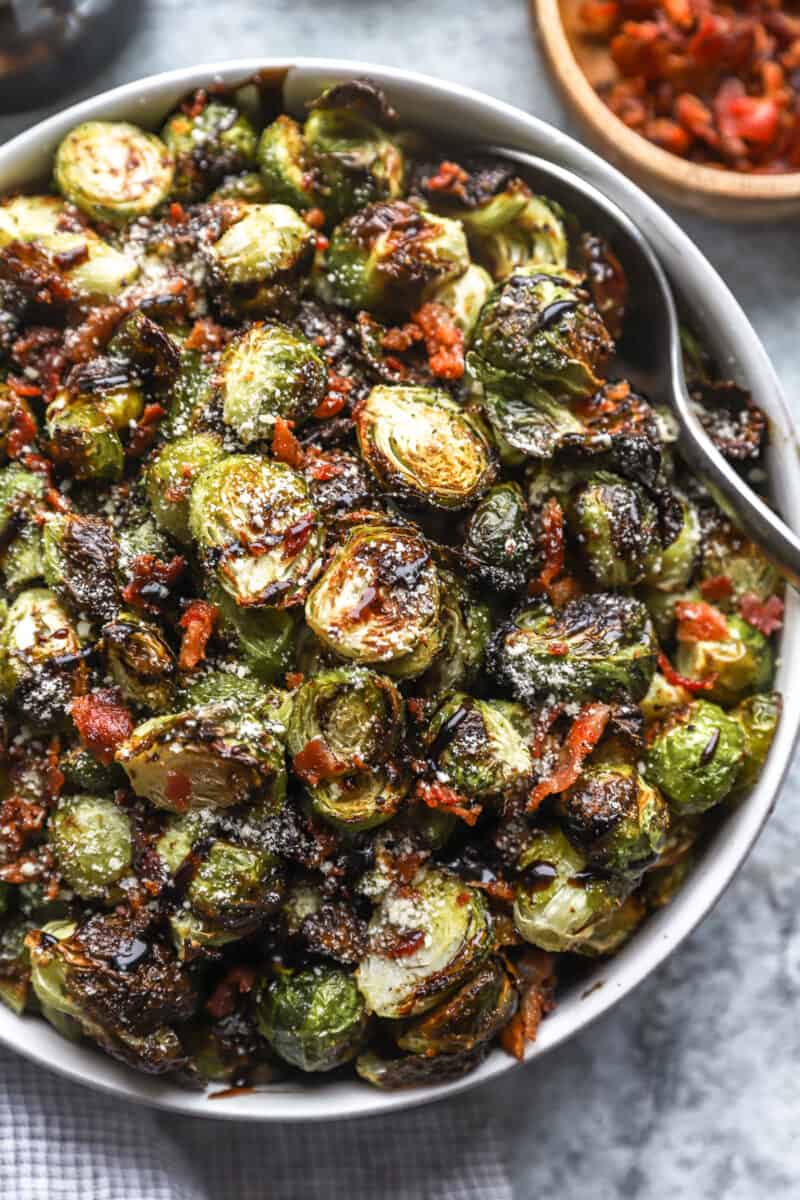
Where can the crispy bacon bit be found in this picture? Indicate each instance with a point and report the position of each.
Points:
(19, 820)
(196, 106)
(444, 341)
(177, 214)
(552, 549)
(700, 622)
(285, 446)
(54, 774)
(339, 388)
(598, 17)
(401, 337)
(316, 761)
(23, 426)
(294, 679)
(237, 982)
(178, 789)
(205, 335)
(449, 179)
(152, 581)
(766, 616)
(584, 734)
(197, 624)
(103, 723)
(146, 429)
(297, 536)
(323, 469)
(314, 217)
(402, 943)
(677, 680)
(89, 338)
(718, 587)
(438, 795)
(537, 999)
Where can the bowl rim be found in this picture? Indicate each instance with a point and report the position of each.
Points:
(428, 101)
(672, 172)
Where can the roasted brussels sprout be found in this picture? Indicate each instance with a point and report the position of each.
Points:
(735, 665)
(20, 492)
(414, 1070)
(80, 557)
(140, 661)
(39, 656)
(284, 161)
(15, 971)
(421, 445)
(480, 747)
(601, 645)
(758, 718)
(118, 986)
(561, 902)
(256, 529)
(615, 817)
(170, 475)
(470, 1017)
(83, 439)
(466, 626)
(672, 569)
(615, 523)
(390, 257)
(465, 296)
(540, 329)
(527, 422)
(92, 270)
(344, 729)
(694, 756)
(613, 931)
(83, 773)
(206, 145)
(249, 188)
(378, 603)
(91, 837)
(205, 757)
(232, 890)
(265, 636)
(113, 171)
(516, 229)
(730, 556)
(498, 542)
(269, 372)
(265, 248)
(426, 937)
(314, 1019)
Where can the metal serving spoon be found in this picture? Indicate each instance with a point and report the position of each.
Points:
(652, 355)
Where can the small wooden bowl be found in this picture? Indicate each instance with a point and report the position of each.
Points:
(581, 64)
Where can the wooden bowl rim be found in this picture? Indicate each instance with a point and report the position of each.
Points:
(674, 172)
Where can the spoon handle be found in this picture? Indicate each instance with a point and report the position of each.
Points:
(740, 502)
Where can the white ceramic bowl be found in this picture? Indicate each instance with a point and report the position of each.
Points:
(462, 114)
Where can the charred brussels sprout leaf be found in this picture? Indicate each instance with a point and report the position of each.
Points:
(256, 529)
(616, 818)
(695, 755)
(269, 372)
(80, 555)
(758, 718)
(425, 939)
(420, 444)
(314, 1019)
(344, 729)
(284, 163)
(602, 646)
(481, 747)
(740, 663)
(204, 757)
(539, 328)
(379, 601)
(473, 1015)
(390, 257)
(216, 141)
(559, 903)
(113, 171)
(466, 626)
(527, 421)
(498, 542)
(672, 569)
(170, 475)
(141, 662)
(92, 841)
(266, 248)
(616, 525)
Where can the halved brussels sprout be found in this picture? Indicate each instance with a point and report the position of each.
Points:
(420, 444)
(207, 145)
(355, 158)
(672, 570)
(191, 396)
(480, 747)
(473, 1015)
(465, 296)
(22, 559)
(140, 661)
(265, 636)
(38, 656)
(378, 602)
(527, 421)
(284, 163)
(208, 756)
(662, 697)
(92, 841)
(498, 542)
(615, 817)
(146, 349)
(83, 439)
(516, 229)
(314, 1019)
(232, 890)
(110, 385)
(728, 554)
(83, 773)
(80, 557)
(414, 1070)
(540, 327)
(601, 645)
(758, 718)
(269, 372)
(466, 627)
(113, 171)
(114, 984)
(266, 247)
(257, 530)
(20, 492)
(694, 756)
(344, 728)
(170, 474)
(389, 257)
(615, 523)
(93, 270)
(247, 188)
(426, 937)
(609, 934)
(559, 902)
(740, 663)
